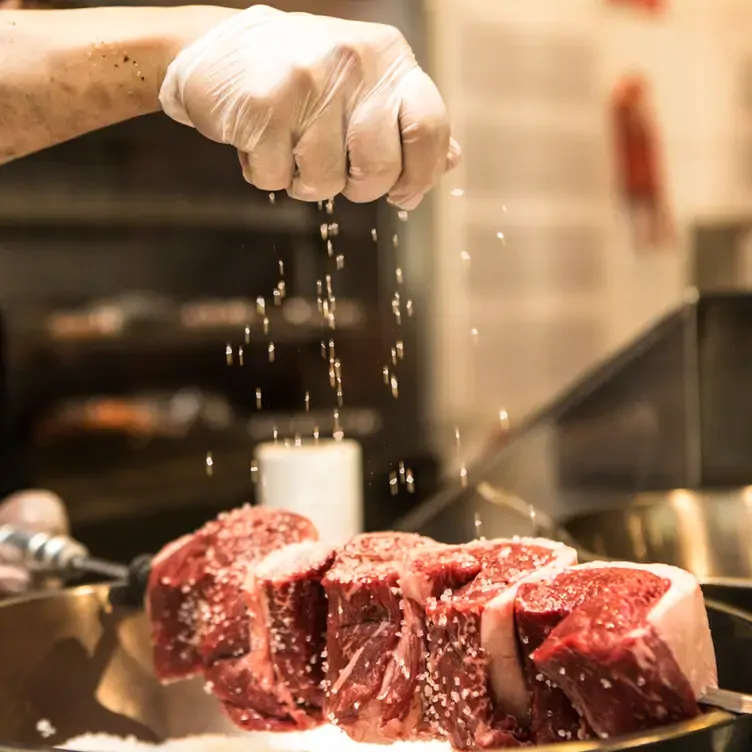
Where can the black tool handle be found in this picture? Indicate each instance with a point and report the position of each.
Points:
(129, 592)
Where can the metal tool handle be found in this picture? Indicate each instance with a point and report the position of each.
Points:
(38, 551)
(733, 702)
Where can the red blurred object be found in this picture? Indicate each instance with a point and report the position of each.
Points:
(650, 5)
(637, 158)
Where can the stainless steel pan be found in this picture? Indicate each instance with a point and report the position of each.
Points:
(71, 659)
(708, 533)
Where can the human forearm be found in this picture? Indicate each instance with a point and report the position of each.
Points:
(65, 73)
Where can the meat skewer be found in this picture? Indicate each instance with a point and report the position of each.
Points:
(286, 594)
(490, 644)
(290, 580)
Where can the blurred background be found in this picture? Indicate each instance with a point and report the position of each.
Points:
(607, 170)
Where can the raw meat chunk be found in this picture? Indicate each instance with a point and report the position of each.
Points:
(172, 605)
(474, 691)
(196, 597)
(371, 692)
(627, 645)
(292, 598)
(278, 684)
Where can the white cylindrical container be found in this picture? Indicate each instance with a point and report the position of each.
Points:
(321, 480)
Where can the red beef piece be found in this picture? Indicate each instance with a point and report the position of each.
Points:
(177, 577)
(195, 598)
(624, 647)
(371, 691)
(474, 693)
(277, 686)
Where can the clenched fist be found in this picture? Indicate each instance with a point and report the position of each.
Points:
(316, 106)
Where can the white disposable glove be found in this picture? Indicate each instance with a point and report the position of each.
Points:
(316, 106)
(34, 511)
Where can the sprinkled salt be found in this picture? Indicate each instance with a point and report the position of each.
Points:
(45, 728)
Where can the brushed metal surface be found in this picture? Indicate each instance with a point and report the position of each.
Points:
(706, 533)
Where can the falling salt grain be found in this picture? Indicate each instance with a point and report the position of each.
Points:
(45, 728)
(254, 471)
(272, 198)
(209, 464)
(228, 354)
(338, 432)
(409, 481)
(247, 334)
(393, 483)
(328, 231)
(374, 235)
(606, 684)
(399, 275)
(402, 215)
(340, 262)
(500, 236)
(271, 352)
(258, 398)
(479, 536)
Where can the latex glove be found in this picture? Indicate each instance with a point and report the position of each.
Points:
(36, 511)
(315, 106)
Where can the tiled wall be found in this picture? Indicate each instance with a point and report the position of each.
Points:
(528, 85)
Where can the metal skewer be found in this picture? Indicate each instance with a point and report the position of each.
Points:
(724, 699)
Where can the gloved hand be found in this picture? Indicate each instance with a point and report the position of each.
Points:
(315, 106)
(32, 510)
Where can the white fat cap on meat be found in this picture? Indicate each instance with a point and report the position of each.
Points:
(499, 637)
(292, 558)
